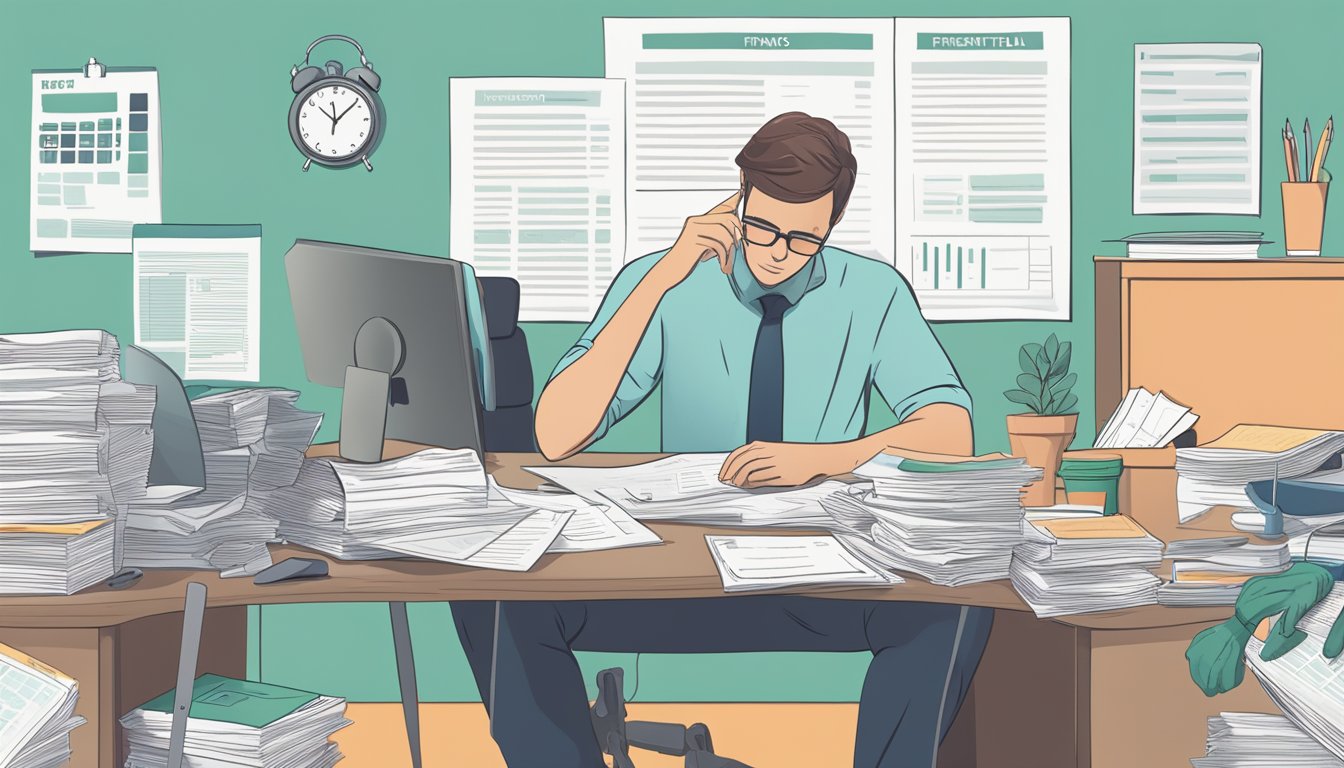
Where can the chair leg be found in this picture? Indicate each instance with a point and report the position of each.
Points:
(410, 695)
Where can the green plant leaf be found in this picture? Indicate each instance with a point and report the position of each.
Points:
(1051, 347)
(1028, 382)
(1062, 384)
(1067, 404)
(1061, 362)
(1034, 354)
(1024, 398)
(1024, 360)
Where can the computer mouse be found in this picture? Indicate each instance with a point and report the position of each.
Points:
(290, 569)
(125, 578)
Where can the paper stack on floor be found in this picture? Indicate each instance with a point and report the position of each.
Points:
(1255, 740)
(1080, 565)
(75, 445)
(234, 723)
(434, 504)
(1217, 473)
(686, 489)
(37, 712)
(252, 442)
(1307, 686)
(1212, 571)
(952, 521)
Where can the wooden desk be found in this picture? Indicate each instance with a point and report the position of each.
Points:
(1119, 678)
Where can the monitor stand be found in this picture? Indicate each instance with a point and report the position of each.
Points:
(379, 354)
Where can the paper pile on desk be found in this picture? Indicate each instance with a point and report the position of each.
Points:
(1212, 571)
(235, 723)
(1307, 686)
(1255, 740)
(686, 489)
(951, 521)
(37, 712)
(75, 446)
(434, 504)
(1080, 565)
(1145, 420)
(1216, 474)
(252, 442)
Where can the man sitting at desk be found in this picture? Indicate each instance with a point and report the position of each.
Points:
(708, 319)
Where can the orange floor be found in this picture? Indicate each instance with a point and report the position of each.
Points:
(455, 735)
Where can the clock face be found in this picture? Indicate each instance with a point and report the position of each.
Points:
(334, 122)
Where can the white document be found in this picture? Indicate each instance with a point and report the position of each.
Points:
(592, 527)
(588, 482)
(33, 699)
(700, 87)
(982, 166)
(1197, 128)
(748, 563)
(95, 158)
(537, 179)
(517, 549)
(197, 298)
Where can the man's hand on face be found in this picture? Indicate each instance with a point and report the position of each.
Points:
(711, 235)
(760, 465)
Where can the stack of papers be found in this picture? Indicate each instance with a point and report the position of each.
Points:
(1212, 571)
(1194, 245)
(1255, 740)
(434, 504)
(75, 445)
(1080, 565)
(234, 723)
(1217, 473)
(253, 442)
(37, 712)
(592, 527)
(1306, 685)
(1145, 420)
(686, 489)
(754, 563)
(951, 521)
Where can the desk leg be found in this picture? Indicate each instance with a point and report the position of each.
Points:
(119, 668)
(410, 692)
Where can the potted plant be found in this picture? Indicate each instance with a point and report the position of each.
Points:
(1045, 387)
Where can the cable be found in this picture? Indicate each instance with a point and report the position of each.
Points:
(636, 678)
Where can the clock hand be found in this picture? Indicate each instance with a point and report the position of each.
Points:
(334, 118)
(347, 109)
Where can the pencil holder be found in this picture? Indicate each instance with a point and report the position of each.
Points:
(1303, 216)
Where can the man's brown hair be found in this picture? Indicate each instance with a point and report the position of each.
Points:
(798, 158)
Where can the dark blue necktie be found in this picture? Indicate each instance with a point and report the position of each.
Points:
(765, 404)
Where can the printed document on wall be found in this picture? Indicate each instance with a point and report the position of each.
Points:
(94, 158)
(537, 180)
(1197, 128)
(982, 166)
(197, 298)
(699, 88)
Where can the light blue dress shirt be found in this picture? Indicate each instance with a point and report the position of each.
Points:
(854, 324)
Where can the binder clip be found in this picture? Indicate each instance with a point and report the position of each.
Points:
(94, 69)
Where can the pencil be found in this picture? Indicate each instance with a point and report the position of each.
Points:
(1293, 174)
(1306, 147)
(1322, 148)
(1287, 154)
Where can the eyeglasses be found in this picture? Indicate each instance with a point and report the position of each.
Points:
(763, 233)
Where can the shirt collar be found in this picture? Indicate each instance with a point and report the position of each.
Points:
(749, 290)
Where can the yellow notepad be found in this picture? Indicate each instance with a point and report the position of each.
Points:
(63, 529)
(1258, 437)
(1109, 527)
(1212, 577)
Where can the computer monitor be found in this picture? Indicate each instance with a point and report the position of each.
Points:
(391, 329)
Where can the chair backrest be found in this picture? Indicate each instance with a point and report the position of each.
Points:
(509, 426)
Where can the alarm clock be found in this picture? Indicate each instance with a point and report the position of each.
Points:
(337, 118)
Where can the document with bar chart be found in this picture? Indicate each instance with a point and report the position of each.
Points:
(94, 158)
(699, 88)
(982, 166)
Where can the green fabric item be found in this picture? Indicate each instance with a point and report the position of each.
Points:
(1215, 655)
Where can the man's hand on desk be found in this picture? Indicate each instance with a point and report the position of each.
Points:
(760, 465)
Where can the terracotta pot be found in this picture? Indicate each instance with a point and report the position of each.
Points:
(1041, 440)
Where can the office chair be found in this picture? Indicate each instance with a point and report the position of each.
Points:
(509, 426)
(616, 736)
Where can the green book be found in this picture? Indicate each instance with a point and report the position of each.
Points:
(240, 702)
(915, 465)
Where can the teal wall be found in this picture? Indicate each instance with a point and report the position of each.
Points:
(224, 78)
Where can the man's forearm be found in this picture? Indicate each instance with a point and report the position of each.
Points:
(938, 428)
(573, 403)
